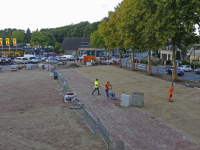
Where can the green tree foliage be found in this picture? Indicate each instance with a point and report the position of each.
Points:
(127, 26)
(96, 40)
(19, 35)
(56, 48)
(39, 39)
(27, 36)
(175, 21)
(61, 51)
(178, 55)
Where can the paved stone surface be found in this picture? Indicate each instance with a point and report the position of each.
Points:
(137, 128)
(34, 117)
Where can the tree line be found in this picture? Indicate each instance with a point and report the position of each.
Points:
(150, 24)
(50, 37)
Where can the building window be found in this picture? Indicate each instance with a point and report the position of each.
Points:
(73, 53)
(67, 52)
(85, 43)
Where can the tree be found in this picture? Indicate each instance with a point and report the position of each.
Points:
(97, 41)
(61, 51)
(176, 21)
(40, 39)
(56, 48)
(128, 26)
(111, 34)
(28, 36)
(146, 12)
(19, 35)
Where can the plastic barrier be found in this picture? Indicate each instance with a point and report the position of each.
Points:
(29, 67)
(13, 67)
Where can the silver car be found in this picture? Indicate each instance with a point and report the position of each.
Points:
(185, 67)
(51, 60)
(197, 70)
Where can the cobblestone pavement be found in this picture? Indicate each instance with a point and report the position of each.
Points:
(34, 117)
(137, 128)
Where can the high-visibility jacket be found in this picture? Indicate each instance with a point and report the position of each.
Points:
(96, 84)
(171, 89)
(107, 86)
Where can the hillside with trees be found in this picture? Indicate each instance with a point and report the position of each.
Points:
(50, 37)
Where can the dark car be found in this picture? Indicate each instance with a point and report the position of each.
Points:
(136, 60)
(9, 60)
(179, 71)
(76, 58)
(3, 61)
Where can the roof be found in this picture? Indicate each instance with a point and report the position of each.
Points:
(12, 48)
(74, 43)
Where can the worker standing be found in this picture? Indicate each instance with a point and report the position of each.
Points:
(170, 90)
(96, 87)
(107, 86)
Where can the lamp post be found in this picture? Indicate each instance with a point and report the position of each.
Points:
(194, 64)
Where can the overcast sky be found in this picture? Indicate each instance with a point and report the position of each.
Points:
(33, 14)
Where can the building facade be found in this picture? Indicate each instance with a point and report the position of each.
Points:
(80, 47)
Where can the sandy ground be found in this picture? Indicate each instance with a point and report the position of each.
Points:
(33, 115)
(183, 115)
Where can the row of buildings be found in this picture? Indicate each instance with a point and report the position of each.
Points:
(81, 46)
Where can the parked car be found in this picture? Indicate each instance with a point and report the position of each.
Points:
(21, 60)
(170, 69)
(58, 58)
(39, 59)
(185, 67)
(197, 70)
(179, 61)
(112, 60)
(51, 60)
(76, 57)
(64, 58)
(9, 60)
(3, 61)
(125, 55)
(136, 60)
(44, 58)
(32, 59)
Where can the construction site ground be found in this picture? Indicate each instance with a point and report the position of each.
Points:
(33, 115)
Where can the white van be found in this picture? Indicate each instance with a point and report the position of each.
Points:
(31, 58)
(21, 60)
(69, 57)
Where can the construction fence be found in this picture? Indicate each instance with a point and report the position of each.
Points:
(95, 126)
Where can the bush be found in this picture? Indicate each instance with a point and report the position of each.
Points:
(185, 62)
(197, 65)
(154, 63)
(144, 61)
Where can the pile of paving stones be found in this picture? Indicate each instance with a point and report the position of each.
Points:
(73, 65)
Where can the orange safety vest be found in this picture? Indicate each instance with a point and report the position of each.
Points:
(107, 86)
(171, 88)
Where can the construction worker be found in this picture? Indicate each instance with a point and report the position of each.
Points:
(107, 86)
(170, 90)
(96, 87)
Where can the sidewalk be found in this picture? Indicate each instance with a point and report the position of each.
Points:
(151, 127)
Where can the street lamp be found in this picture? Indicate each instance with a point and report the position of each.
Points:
(194, 64)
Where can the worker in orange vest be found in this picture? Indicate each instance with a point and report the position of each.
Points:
(170, 90)
(107, 86)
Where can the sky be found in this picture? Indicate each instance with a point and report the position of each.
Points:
(38, 14)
